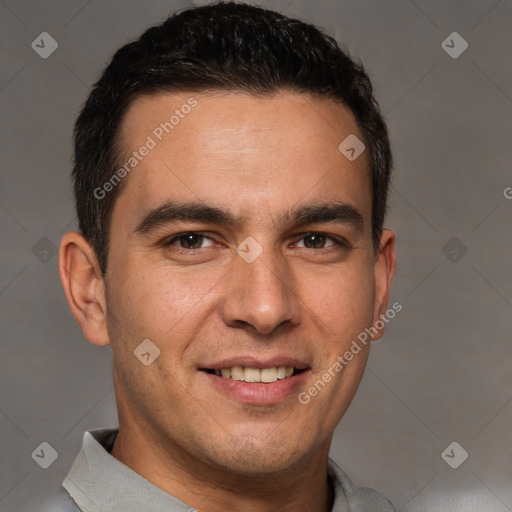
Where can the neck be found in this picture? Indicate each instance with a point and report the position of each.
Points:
(305, 486)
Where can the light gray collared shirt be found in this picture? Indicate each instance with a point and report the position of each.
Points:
(98, 482)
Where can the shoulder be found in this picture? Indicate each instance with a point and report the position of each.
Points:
(61, 501)
(360, 499)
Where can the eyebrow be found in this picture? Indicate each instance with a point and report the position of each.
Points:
(324, 212)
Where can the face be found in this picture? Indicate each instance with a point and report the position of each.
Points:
(241, 246)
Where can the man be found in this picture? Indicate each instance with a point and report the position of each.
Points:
(231, 176)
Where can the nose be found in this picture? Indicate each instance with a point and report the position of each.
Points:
(260, 295)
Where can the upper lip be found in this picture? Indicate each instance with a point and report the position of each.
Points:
(255, 362)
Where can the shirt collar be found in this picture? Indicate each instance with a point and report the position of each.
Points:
(98, 482)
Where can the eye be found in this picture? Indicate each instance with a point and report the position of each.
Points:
(192, 241)
(319, 240)
(187, 241)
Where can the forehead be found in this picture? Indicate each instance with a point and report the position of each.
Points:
(239, 150)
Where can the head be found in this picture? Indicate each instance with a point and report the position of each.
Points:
(220, 219)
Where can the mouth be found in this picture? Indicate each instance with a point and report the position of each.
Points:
(255, 375)
(260, 383)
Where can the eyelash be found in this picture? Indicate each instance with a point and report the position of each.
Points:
(170, 241)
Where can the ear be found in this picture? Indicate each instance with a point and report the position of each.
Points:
(84, 286)
(385, 264)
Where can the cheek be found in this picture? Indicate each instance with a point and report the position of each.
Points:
(158, 304)
(163, 302)
(341, 301)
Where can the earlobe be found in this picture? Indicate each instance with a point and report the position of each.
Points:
(84, 287)
(385, 264)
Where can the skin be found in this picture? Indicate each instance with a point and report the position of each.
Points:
(256, 158)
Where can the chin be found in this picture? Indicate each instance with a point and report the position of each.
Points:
(251, 456)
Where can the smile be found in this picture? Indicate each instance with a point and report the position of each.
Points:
(256, 375)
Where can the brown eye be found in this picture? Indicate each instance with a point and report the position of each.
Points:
(315, 241)
(189, 241)
(322, 241)
(319, 241)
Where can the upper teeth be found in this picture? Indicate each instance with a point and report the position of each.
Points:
(255, 374)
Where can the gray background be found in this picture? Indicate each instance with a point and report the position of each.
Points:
(443, 371)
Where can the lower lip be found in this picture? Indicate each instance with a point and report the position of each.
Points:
(259, 393)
